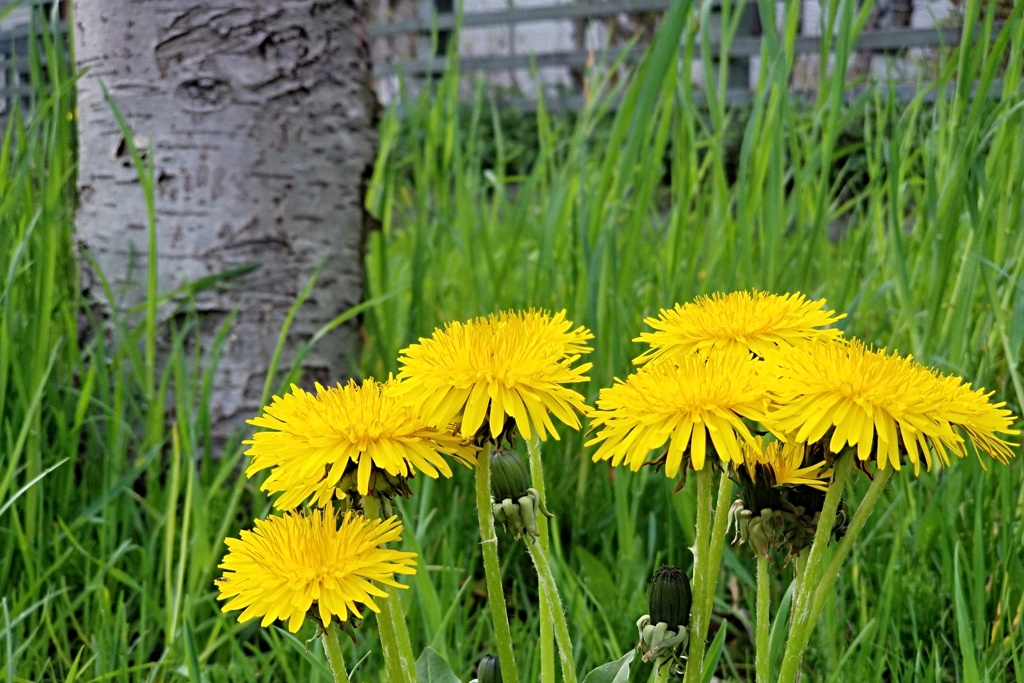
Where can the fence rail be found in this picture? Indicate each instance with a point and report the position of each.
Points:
(14, 41)
(520, 15)
(740, 47)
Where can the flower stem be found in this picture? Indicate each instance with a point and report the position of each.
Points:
(547, 636)
(546, 583)
(394, 639)
(710, 568)
(331, 638)
(388, 646)
(762, 662)
(801, 626)
(401, 632)
(716, 544)
(492, 570)
(831, 572)
(699, 619)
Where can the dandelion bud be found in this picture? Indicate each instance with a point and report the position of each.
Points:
(668, 597)
(509, 478)
(489, 670)
(513, 502)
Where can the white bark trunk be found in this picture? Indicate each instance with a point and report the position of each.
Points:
(260, 119)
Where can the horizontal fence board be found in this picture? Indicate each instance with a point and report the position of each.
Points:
(742, 97)
(741, 47)
(19, 33)
(521, 15)
(570, 59)
(4, 4)
(890, 39)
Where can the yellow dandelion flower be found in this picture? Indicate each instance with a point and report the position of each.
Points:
(780, 495)
(972, 411)
(784, 464)
(290, 564)
(749, 321)
(883, 404)
(510, 365)
(315, 440)
(683, 404)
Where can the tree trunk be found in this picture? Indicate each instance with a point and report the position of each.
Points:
(260, 121)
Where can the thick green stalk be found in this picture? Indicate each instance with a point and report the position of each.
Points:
(388, 646)
(762, 662)
(332, 646)
(547, 635)
(801, 626)
(401, 630)
(709, 569)
(716, 544)
(492, 570)
(799, 562)
(700, 617)
(398, 655)
(549, 591)
(828, 577)
(401, 663)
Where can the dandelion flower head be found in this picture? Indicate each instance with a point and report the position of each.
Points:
(680, 403)
(511, 365)
(288, 564)
(755, 321)
(883, 404)
(784, 464)
(314, 440)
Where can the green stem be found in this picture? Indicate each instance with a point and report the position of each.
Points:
(394, 635)
(405, 650)
(716, 545)
(762, 662)
(331, 638)
(831, 573)
(386, 633)
(548, 588)
(547, 635)
(798, 573)
(801, 626)
(699, 618)
(492, 570)
(401, 653)
(710, 569)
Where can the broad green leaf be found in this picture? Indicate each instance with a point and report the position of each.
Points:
(433, 668)
(612, 672)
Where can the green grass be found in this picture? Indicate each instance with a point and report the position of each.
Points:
(907, 216)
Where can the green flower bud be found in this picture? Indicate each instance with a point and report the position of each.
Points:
(668, 597)
(509, 478)
(488, 670)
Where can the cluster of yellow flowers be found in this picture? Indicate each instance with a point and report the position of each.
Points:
(470, 382)
(740, 373)
(722, 361)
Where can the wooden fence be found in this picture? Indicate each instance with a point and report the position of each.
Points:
(15, 46)
(14, 42)
(745, 46)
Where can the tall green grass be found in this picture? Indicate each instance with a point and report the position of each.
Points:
(906, 215)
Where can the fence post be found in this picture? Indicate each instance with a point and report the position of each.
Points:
(748, 25)
(425, 13)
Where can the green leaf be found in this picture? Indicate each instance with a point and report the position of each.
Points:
(612, 672)
(433, 668)
(713, 655)
(963, 624)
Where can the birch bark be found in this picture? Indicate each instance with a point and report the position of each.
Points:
(260, 121)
